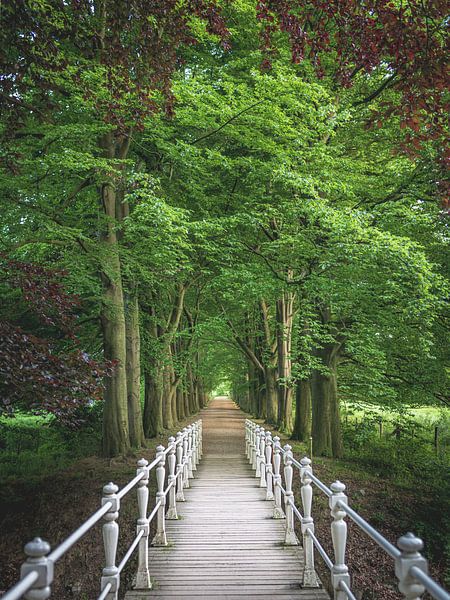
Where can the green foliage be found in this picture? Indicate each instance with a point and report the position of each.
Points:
(31, 447)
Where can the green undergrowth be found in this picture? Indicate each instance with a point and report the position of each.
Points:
(31, 447)
(400, 484)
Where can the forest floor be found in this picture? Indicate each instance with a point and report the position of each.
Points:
(392, 508)
(54, 506)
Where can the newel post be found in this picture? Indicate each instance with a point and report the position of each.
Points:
(194, 447)
(262, 453)
(269, 471)
(254, 446)
(189, 456)
(309, 574)
(339, 571)
(259, 458)
(172, 480)
(160, 538)
(200, 431)
(180, 469)
(185, 458)
(110, 573)
(277, 509)
(143, 574)
(410, 556)
(37, 560)
(247, 436)
(290, 537)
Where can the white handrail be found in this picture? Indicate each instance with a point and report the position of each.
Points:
(410, 566)
(60, 550)
(37, 570)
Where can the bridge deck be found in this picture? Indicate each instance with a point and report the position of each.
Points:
(225, 544)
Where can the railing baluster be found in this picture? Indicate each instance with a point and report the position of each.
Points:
(171, 460)
(254, 462)
(160, 538)
(110, 573)
(247, 437)
(277, 509)
(37, 560)
(269, 470)
(180, 493)
(290, 537)
(143, 581)
(185, 458)
(262, 453)
(190, 466)
(309, 574)
(194, 447)
(259, 458)
(339, 571)
(200, 423)
(410, 556)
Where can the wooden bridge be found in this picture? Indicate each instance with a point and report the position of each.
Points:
(226, 544)
(225, 525)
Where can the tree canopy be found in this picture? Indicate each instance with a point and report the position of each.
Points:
(197, 192)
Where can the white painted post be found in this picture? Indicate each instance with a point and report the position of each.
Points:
(269, 470)
(339, 571)
(262, 453)
(180, 469)
(160, 538)
(259, 458)
(37, 560)
(410, 556)
(194, 447)
(309, 574)
(254, 446)
(186, 458)
(277, 509)
(171, 479)
(190, 470)
(143, 574)
(247, 437)
(290, 537)
(197, 442)
(201, 437)
(110, 573)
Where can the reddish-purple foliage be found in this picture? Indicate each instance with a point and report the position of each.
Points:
(35, 374)
(137, 43)
(408, 39)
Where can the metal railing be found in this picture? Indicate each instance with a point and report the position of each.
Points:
(265, 455)
(183, 454)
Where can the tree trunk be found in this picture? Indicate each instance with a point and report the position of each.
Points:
(285, 317)
(302, 426)
(337, 445)
(167, 399)
(326, 424)
(187, 409)
(153, 421)
(270, 380)
(115, 415)
(321, 429)
(133, 370)
(180, 402)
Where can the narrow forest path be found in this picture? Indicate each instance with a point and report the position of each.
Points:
(226, 544)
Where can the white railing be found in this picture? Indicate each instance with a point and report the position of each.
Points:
(183, 455)
(264, 454)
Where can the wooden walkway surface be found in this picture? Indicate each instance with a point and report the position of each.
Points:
(225, 544)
